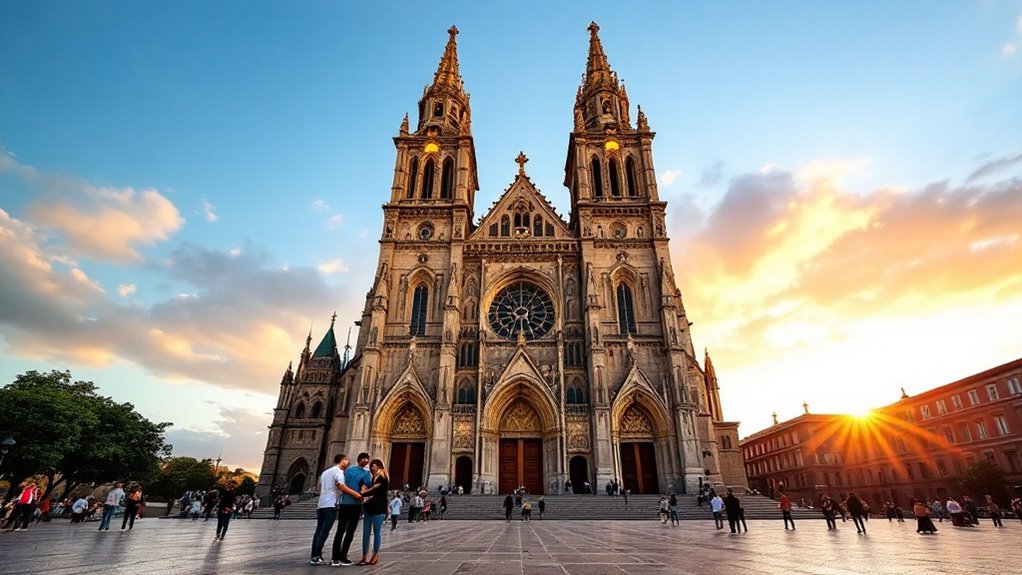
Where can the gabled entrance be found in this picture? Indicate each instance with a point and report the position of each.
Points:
(521, 449)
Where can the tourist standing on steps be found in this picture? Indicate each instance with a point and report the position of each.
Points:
(625, 493)
(733, 506)
(395, 510)
(132, 501)
(375, 510)
(785, 506)
(717, 506)
(856, 508)
(509, 505)
(330, 482)
(225, 508)
(350, 510)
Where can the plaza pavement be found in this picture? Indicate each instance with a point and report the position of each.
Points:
(258, 547)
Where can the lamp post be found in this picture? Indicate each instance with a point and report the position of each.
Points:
(5, 447)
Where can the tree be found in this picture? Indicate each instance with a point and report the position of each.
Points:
(180, 474)
(71, 434)
(984, 478)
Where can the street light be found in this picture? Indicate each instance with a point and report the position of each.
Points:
(5, 447)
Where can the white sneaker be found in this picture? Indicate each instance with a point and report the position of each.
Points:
(316, 561)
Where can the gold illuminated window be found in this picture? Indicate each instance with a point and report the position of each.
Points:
(611, 146)
(431, 148)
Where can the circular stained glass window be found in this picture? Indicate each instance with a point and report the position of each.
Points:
(521, 307)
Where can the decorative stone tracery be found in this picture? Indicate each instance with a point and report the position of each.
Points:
(408, 423)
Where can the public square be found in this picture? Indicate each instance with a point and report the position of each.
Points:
(257, 547)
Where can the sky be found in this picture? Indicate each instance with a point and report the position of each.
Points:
(186, 188)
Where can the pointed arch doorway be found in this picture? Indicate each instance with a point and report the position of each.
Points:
(638, 452)
(520, 449)
(408, 448)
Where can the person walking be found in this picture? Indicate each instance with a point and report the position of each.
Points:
(132, 502)
(509, 505)
(374, 509)
(1016, 506)
(395, 510)
(542, 507)
(355, 477)
(225, 508)
(954, 509)
(442, 505)
(856, 508)
(625, 493)
(663, 509)
(717, 507)
(733, 506)
(209, 503)
(923, 522)
(25, 507)
(330, 482)
(526, 510)
(995, 511)
(785, 507)
(672, 506)
(827, 507)
(110, 504)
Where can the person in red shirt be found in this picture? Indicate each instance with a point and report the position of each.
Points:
(785, 506)
(26, 506)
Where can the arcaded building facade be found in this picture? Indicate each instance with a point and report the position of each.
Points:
(515, 347)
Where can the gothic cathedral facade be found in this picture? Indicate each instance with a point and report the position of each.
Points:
(520, 349)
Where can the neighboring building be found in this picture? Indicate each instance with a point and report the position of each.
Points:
(912, 448)
(517, 348)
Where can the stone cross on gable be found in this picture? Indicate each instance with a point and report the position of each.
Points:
(333, 318)
(521, 161)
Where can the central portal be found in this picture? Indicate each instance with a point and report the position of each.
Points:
(520, 449)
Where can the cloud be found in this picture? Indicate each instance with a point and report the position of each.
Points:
(126, 290)
(1008, 49)
(332, 267)
(100, 223)
(711, 176)
(210, 211)
(1018, 25)
(334, 221)
(668, 177)
(239, 435)
(320, 205)
(994, 167)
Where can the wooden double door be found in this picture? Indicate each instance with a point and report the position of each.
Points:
(406, 463)
(638, 467)
(521, 463)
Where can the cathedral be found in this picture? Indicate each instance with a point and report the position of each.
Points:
(517, 348)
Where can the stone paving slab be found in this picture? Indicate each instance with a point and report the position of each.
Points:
(173, 547)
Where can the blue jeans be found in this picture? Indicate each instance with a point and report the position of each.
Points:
(108, 515)
(374, 522)
(325, 517)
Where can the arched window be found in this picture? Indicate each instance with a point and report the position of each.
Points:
(420, 300)
(447, 180)
(615, 188)
(537, 226)
(468, 355)
(505, 226)
(466, 393)
(413, 177)
(633, 190)
(549, 230)
(727, 442)
(575, 394)
(569, 395)
(300, 411)
(427, 179)
(317, 410)
(625, 310)
(597, 177)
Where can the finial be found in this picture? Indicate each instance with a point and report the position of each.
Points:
(805, 407)
(333, 318)
(641, 120)
(453, 31)
(774, 415)
(593, 28)
(404, 125)
(903, 394)
(521, 160)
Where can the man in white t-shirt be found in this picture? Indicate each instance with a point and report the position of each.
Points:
(78, 510)
(331, 485)
(113, 499)
(717, 506)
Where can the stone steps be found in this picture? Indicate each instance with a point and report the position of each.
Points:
(590, 507)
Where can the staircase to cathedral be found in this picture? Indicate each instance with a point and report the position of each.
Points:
(590, 507)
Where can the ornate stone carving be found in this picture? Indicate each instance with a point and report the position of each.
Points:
(578, 434)
(521, 417)
(408, 423)
(463, 437)
(635, 423)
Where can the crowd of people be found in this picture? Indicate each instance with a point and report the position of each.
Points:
(30, 506)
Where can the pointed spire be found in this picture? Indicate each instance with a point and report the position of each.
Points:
(347, 347)
(711, 374)
(288, 376)
(403, 130)
(447, 73)
(597, 68)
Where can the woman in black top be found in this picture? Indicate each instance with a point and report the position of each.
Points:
(374, 510)
(132, 501)
(224, 510)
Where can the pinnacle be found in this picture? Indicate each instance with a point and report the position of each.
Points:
(597, 68)
(447, 73)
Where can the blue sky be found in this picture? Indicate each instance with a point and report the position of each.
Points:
(187, 186)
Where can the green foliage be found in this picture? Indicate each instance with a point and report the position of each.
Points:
(70, 433)
(984, 478)
(246, 487)
(180, 474)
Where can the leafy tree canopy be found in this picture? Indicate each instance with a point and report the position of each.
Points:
(984, 478)
(180, 474)
(67, 431)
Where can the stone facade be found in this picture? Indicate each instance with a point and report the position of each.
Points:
(519, 348)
